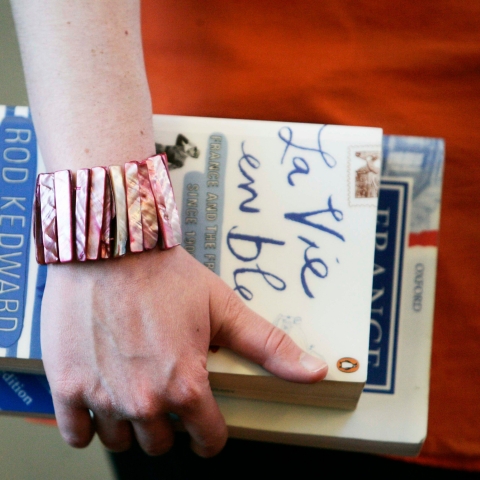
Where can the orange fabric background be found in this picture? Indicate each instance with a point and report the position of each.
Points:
(410, 67)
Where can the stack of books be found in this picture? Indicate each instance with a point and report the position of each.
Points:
(327, 231)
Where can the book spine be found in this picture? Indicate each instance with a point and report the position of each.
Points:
(18, 168)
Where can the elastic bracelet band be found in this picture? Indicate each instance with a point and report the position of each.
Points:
(105, 212)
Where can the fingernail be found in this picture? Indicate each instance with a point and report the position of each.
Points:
(311, 363)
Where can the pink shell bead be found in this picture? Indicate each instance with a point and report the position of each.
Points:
(37, 226)
(95, 214)
(106, 235)
(48, 217)
(149, 211)
(165, 201)
(82, 197)
(134, 207)
(121, 230)
(63, 204)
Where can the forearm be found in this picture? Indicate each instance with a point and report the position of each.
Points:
(86, 81)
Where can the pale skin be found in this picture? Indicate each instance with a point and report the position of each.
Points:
(125, 341)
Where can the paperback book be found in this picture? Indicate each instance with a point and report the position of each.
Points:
(285, 213)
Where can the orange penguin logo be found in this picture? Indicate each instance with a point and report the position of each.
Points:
(348, 365)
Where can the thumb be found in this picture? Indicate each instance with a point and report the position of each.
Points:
(239, 328)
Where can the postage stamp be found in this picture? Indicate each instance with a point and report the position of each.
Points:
(364, 166)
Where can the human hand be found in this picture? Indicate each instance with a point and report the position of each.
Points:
(127, 339)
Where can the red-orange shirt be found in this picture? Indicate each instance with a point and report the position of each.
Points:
(410, 67)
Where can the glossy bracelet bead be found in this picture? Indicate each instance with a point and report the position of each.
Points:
(105, 212)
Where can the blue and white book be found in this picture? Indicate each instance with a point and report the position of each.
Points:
(285, 213)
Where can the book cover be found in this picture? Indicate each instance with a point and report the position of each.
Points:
(284, 213)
